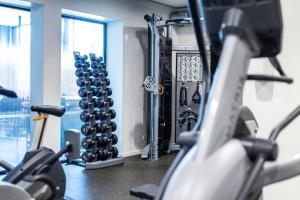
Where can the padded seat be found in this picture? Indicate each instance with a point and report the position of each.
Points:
(57, 111)
(148, 191)
(8, 93)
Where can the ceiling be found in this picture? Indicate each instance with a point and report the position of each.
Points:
(174, 3)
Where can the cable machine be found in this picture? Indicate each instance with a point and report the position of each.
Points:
(167, 118)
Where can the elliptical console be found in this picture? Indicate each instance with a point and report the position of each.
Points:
(264, 16)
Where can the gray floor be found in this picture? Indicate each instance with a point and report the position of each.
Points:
(114, 183)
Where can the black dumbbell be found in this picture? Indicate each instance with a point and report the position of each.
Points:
(84, 83)
(83, 104)
(102, 141)
(82, 73)
(76, 57)
(100, 73)
(99, 83)
(87, 129)
(100, 102)
(82, 92)
(112, 125)
(109, 91)
(112, 113)
(100, 115)
(85, 116)
(114, 139)
(84, 58)
(103, 66)
(101, 93)
(103, 154)
(78, 64)
(99, 141)
(94, 91)
(94, 65)
(88, 157)
(114, 152)
(87, 143)
(99, 60)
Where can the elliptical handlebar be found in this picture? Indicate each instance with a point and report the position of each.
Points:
(261, 157)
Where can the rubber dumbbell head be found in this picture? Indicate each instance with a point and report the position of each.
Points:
(112, 113)
(87, 143)
(94, 66)
(83, 104)
(109, 91)
(107, 82)
(110, 101)
(87, 129)
(82, 92)
(99, 103)
(77, 64)
(100, 59)
(84, 58)
(76, 57)
(85, 116)
(114, 152)
(113, 126)
(114, 139)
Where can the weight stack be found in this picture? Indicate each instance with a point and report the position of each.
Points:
(97, 114)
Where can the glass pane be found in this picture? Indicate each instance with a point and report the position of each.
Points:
(15, 75)
(85, 37)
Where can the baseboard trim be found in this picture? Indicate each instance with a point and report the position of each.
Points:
(132, 153)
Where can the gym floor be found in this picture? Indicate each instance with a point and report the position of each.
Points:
(114, 183)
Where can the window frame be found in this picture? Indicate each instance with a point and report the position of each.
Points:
(18, 7)
(67, 16)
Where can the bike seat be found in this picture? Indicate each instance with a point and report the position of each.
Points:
(7, 93)
(57, 111)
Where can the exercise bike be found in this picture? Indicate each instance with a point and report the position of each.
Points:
(40, 174)
(216, 161)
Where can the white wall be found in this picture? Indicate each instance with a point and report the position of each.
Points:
(46, 69)
(184, 35)
(135, 97)
(280, 99)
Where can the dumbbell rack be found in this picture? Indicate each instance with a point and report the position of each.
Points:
(99, 139)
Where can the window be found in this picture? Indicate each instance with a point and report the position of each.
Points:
(15, 75)
(85, 36)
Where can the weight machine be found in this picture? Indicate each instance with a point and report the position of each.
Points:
(163, 121)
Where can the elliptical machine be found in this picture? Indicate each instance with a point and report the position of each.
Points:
(40, 174)
(214, 162)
